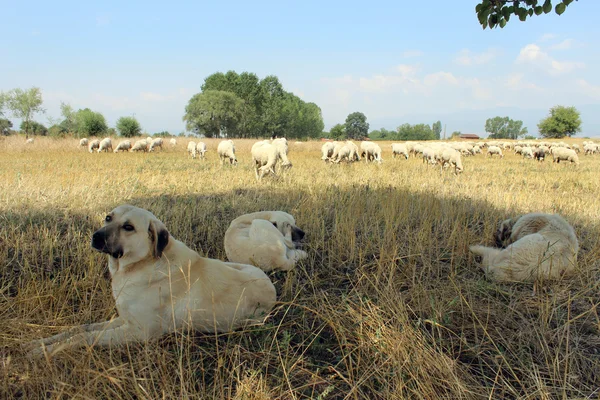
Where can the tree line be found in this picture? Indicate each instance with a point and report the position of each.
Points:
(242, 105)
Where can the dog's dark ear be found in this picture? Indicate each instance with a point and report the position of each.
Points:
(503, 233)
(159, 236)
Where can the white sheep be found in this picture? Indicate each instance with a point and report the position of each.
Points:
(83, 142)
(429, 155)
(191, 149)
(29, 141)
(156, 143)
(125, 145)
(327, 151)
(452, 158)
(201, 149)
(494, 150)
(226, 150)
(527, 152)
(93, 145)
(476, 150)
(563, 154)
(399, 149)
(139, 145)
(105, 145)
(264, 157)
(282, 149)
(590, 148)
(173, 142)
(370, 151)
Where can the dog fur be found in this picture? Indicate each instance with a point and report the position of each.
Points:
(266, 239)
(532, 246)
(160, 285)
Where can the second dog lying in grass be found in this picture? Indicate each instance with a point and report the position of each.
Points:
(534, 246)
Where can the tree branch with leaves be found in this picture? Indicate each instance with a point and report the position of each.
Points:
(494, 13)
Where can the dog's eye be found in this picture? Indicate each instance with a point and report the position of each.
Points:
(128, 227)
(108, 218)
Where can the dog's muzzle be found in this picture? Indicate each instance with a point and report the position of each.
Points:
(100, 243)
(297, 234)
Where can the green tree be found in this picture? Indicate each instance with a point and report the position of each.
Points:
(455, 135)
(357, 126)
(213, 113)
(562, 121)
(128, 127)
(57, 131)
(414, 132)
(338, 132)
(24, 104)
(5, 126)
(2, 103)
(382, 134)
(504, 128)
(68, 123)
(90, 123)
(437, 129)
(162, 134)
(34, 127)
(495, 13)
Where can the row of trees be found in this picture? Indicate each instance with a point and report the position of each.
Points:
(241, 105)
(409, 132)
(562, 121)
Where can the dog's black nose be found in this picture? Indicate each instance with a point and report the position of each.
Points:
(99, 240)
(297, 234)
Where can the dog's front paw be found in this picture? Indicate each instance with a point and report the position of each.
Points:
(300, 255)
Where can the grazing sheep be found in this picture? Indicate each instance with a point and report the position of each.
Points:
(139, 145)
(527, 152)
(29, 141)
(191, 149)
(201, 149)
(282, 149)
(173, 142)
(591, 148)
(264, 157)
(354, 155)
(452, 158)
(563, 154)
(83, 142)
(105, 145)
(429, 155)
(532, 246)
(226, 150)
(576, 148)
(476, 150)
(370, 151)
(494, 150)
(94, 144)
(342, 153)
(327, 151)
(125, 145)
(399, 149)
(539, 153)
(156, 143)
(337, 146)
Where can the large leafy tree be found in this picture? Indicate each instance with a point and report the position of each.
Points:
(90, 123)
(414, 132)
(214, 113)
(34, 127)
(437, 129)
(68, 123)
(504, 128)
(2, 103)
(338, 131)
(25, 104)
(128, 127)
(493, 13)
(357, 126)
(5, 126)
(562, 121)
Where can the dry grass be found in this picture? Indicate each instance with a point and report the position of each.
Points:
(390, 304)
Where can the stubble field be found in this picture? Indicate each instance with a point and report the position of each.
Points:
(390, 303)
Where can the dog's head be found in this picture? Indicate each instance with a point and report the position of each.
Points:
(502, 235)
(282, 219)
(131, 233)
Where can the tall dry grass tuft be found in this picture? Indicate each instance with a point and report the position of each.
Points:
(389, 304)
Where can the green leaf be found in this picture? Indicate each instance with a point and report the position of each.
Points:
(547, 7)
(538, 10)
(522, 14)
(567, 2)
(478, 7)
(530, 12)
(505, 11)
(502, 23)
(560, 8)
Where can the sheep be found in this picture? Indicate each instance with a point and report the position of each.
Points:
(370, 151)
(93, 145)
(451, 157)
(354, 155)
(429, 155)
(539, 154)
(494, 150)
(156, 143)
(399, 149)
(337, 146)
(527, 152)
(105, 145)
(576, 148)
(201, 149)
(342, 153)
(83, 142)
(191, 149)
(29, 141)
(565, 154)
(264, 157)
(590, 148)
(476, 150)
(125, 145)
(327, 151)
(226, 150)
(173, 142)
(518, 150)
(282, 148)
(139, 145)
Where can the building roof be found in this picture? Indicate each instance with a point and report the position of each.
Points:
(468, 136)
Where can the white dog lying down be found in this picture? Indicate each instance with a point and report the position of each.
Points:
(160, 285)
(266, 239)
(538, 246)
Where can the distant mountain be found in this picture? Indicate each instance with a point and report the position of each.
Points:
(473, 121)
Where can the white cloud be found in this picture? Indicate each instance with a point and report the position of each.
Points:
(516, 82)
(589, 89)
(467, 58)
(440, 77)
(534, 55)
(566, 44)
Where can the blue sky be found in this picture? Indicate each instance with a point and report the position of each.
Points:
(395, 61)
